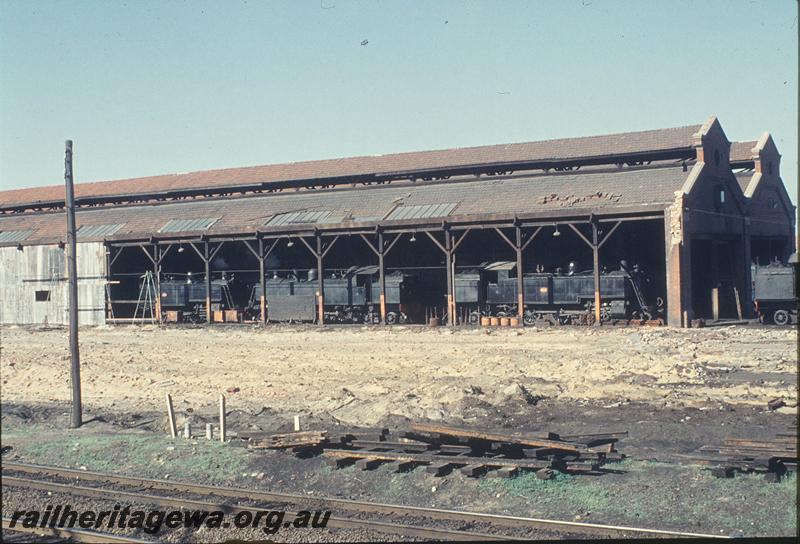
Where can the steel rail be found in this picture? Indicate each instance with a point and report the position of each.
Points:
(591, 529)
(397, 529)
(77, 535)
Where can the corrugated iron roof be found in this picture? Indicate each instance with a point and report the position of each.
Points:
(97, 231)
(8, 236)
(546, 150)
(422, 211)
(188, 225)
(293, 218)
(581, 191)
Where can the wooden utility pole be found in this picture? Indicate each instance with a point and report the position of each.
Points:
(76, 417)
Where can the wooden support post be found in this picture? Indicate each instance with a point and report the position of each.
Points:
(296, 423)
(715, 303)
(596, 272)
(448, 246)
(173, 431)
(320, 283)
(108, 280)
(520, 278)
(207, 263)
(157, 278)
(209, 431)
(222, 418)
(262, 273)
(187, 429)
(382, 276)
(738, 303)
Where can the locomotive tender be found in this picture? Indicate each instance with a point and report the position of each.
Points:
(351, 296)
(775, 292)
(558, 298)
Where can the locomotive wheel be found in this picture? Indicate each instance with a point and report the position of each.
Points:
(376, 319)
(528, 319)
(403, 318)
(391, 318)
(780, 317)
(474, 318)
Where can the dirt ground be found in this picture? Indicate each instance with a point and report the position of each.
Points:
(362, 376)
(672, 390)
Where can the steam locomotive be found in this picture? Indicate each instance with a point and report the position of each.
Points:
(775, 292)
(559, 298)
(188, 297)
(350, 296)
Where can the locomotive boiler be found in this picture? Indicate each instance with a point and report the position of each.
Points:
(349, 296)
(187, 297)
(559, 297)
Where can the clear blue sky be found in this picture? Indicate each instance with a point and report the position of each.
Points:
(151, 87)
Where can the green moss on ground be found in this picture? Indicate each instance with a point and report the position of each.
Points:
(745, 504)
(151, 456)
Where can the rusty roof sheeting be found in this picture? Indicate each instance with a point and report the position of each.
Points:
(597, 190)
(560, 149)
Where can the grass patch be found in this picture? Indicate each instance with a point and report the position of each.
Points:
(661, 496)
(142, 455)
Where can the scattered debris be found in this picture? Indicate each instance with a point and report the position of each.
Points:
(773, 458)
(443, 449)
(774, 404)
(288, 440)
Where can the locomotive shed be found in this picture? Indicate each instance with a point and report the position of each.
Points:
(685, 206)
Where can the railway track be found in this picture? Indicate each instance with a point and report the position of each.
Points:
(403, 521)
(59, 535)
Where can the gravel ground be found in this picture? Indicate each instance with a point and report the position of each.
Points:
(16, 499)
(672, 390)
(362, 375)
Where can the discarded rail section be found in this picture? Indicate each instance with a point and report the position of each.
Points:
(774, 458)
(442, 449)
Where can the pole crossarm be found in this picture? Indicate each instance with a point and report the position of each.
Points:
(579, 233)
(216, 250)
(388, 248)
(199, 253)
(146, 252)
(311, 249)
(461, 239)
(435, 241)
(164, 253)
(114, 258)
(610, 232)
(529, 240)
(329, 246)
(252, 250)
(505, 238)
(369, 244)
